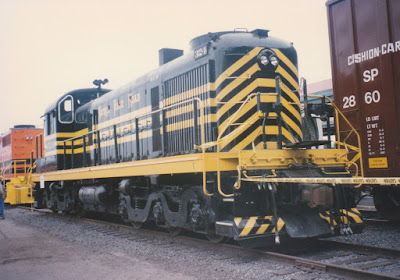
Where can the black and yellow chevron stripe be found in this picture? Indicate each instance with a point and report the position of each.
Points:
(249, 78)
(352, 216)
(256, 225)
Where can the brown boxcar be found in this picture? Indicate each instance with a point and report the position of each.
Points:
(365, 55)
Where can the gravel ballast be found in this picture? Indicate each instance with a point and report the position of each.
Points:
(376, 234)
(190, 262)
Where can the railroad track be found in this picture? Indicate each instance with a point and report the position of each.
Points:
(338, 259)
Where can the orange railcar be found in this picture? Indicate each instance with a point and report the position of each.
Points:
(20, 146)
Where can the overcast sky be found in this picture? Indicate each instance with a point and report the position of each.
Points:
(48, 47)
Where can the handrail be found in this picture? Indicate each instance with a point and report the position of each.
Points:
(202, 131)
(132, 119)
(13, 164)
(220, 138)
(347, 146)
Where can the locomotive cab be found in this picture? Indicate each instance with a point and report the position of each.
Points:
(61, 121)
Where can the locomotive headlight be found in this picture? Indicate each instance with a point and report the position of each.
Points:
(274, 60)
(267, 59)
(264, 60)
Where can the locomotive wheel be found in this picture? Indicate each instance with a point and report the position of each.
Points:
(215, 238)
(387, 202)
(137, 225)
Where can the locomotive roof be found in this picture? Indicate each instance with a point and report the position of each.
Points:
(251, 37)
(76, 93)
(224, 39)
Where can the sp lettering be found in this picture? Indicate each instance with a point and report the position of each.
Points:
(370, 75)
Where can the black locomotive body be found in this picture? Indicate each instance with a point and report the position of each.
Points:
(203, 143)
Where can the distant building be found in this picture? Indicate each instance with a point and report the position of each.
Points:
(321, 88)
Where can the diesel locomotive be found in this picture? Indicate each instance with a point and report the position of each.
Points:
(214, 141)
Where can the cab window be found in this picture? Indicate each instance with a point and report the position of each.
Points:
(66, 110)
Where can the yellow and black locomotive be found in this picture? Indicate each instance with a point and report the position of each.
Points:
(212, 141)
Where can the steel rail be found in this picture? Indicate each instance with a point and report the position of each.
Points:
(302, 263)
(363, 248)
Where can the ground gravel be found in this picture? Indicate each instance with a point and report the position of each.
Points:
(383, 234)
(195, 262)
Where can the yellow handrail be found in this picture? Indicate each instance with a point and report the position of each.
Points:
(13, 164)
(220, 138)
(202, 132)
(343, 143)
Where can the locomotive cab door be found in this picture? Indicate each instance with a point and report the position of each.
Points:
(155, 121)
(47, 160)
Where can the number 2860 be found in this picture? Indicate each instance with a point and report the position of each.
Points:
(369, 97)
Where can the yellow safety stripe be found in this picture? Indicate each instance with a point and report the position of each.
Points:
(187, 94)
(126, 117)
(343, 218)
(285, 60)
(247, 107)
(269, 130)
(356, 217)
(238, 131)
(292, 95)
(238, 81)
(291, 109)
(280, 225)
(292, 125)
(65, 134)
(237, 220)
(234, 67)
(327, 218)
(243, 144)
(121, 140)
(249, 226)
(262, 229)
(251, 137)
(293, 82)
(260, 82)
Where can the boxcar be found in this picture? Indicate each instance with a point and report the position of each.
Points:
(365, 54)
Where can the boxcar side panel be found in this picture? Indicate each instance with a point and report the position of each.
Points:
(365, 54)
